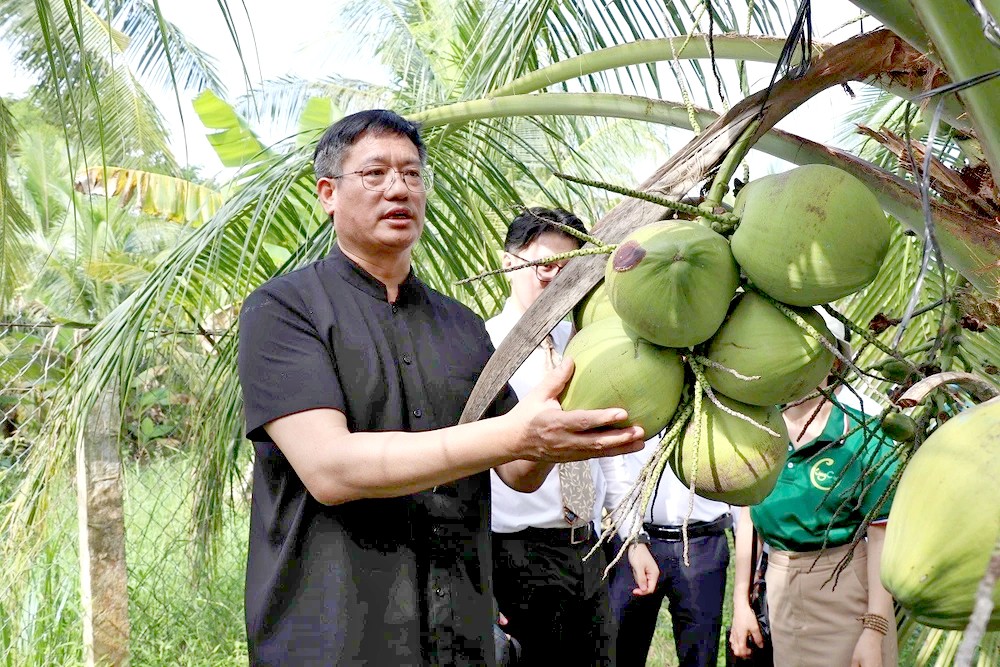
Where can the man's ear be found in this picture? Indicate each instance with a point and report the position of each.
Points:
(326, 189)
(505, 260)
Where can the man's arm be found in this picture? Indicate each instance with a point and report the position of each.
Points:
(338, 466)
(524, 476)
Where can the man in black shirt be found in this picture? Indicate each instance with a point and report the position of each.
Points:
(369, 529)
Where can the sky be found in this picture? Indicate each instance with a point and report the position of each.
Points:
(290, 38)
(305, 38)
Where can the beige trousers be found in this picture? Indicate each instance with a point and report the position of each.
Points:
(813, 623)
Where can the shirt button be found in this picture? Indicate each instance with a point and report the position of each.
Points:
(395, 309)
(418, 412)
(407, 360)
(790, 465)
(790, 448)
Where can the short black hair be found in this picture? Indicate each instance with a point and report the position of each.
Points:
(534, 221)
(329, 155)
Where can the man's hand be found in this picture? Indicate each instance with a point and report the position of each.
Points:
(745, 629)
(548, 433)
(645, 571)
(868, 650)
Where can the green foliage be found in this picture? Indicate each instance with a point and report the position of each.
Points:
(178, 615)
(83, 258)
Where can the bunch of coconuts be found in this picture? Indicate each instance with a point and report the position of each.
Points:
(705, 336)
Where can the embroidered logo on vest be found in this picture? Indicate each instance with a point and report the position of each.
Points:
(820, 478)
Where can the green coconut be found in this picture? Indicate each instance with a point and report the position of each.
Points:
(945, 521)
(616, 370)
(758, 340)
(593, 307)
(671, 282)
(894, 370)
(810, 235)
(738, 463)
(900, 427)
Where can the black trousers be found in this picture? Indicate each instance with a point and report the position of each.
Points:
(694, 594)
(557, 604)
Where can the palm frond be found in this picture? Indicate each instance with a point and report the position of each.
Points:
(162, 55)
(14, 222)
(175, 199)
(83, 77)
(889, 294)
(234, 142)
(278, 102)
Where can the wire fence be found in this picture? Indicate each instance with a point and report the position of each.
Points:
(182, 607)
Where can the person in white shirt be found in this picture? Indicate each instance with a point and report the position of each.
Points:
(556, 603)
(694, 592)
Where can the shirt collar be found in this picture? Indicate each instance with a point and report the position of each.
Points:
(354, 274)
(832, 431)
(507, 318)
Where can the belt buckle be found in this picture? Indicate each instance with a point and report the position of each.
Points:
(584, 532)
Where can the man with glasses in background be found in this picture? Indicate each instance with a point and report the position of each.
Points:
(369, 539)
(556, 604)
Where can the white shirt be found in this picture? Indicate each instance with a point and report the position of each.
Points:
(513, 510)
(859, 399)
(670, 502)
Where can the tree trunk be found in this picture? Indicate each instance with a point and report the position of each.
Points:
(103, 576)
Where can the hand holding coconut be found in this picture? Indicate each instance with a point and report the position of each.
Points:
(545, 432)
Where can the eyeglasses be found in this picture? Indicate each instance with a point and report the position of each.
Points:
(379, 178)
(543, 272)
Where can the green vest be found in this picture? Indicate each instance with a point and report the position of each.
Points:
(824, 487)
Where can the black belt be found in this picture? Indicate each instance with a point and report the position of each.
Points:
(694, 529)
(554, 536)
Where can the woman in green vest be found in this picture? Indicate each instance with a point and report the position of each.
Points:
(808, 522)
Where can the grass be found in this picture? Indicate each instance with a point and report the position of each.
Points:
(179, 618)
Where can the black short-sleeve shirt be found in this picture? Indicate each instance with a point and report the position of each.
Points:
(394, 581)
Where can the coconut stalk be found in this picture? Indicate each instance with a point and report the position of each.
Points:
(981, 389)
(734, 47)
(645, 51)
(723, 223)
(631, 507)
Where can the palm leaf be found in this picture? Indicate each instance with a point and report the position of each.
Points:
(234, 142)
(277, 102)
(83, 73)
(14, 222)
(154, 42)
(154, 194)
